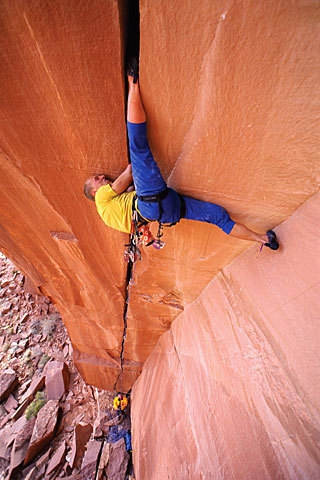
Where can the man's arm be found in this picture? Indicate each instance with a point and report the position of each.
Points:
(124, 180)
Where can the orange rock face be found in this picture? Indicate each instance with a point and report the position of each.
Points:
(231, 92)
(232, 390)
(62, 119)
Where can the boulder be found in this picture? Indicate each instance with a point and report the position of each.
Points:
(89, 464)
(8, 383)
(57, 459)
(31, 474)
(35, 386)
(56, 380)
(104, 460)
(118, 461)
(81, 436)
(11, 431)
(44, 430)
(20, 447)
(11, 404)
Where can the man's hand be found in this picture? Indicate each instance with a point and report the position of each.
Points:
(124, 180)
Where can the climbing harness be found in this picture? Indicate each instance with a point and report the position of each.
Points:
(140, 230)
(140, 235)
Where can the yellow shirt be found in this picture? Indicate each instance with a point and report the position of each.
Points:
(114, 209)
(120, 401)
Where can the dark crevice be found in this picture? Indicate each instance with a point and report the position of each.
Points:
(133, 30)
(132, 44)
(132, 49)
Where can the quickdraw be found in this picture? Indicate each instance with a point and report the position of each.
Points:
(133, 252)
(140, 230)
(141, 235)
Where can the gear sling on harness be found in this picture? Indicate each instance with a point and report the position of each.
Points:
(140, 230)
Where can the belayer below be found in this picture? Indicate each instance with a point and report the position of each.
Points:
(130, 209)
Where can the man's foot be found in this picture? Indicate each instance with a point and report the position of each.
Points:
(272, 240)
(133, 69)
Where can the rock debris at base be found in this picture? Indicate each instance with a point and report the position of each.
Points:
(52, 425)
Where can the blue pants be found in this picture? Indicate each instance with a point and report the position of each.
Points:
(149, 181)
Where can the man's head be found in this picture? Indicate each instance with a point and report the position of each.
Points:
(92, 184)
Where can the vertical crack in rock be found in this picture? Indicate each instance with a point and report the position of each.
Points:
(133, 29)
(118, 384)
(132, 50)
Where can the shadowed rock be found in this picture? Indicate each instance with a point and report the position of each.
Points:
(56, 459)
(20, 447)
(81, 436)
(118, 461)
(8, 383)
(90, 460)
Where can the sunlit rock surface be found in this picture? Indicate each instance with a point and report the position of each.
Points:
(231, 91)
(232, 390)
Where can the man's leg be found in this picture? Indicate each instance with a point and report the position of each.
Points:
(135, 109)
(244, 233)
(269, 239)
(145, 171)
(146, 174)
(217, 215)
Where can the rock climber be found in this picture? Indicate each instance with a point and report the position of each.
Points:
(150, 197)
(120, 402)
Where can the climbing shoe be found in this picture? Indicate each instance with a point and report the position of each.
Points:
(272, 240)
(133, 69)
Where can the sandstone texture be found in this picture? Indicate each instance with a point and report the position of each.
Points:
(62, 119)
(43, 431)
(8, 383)
(232, 390)
(57, 380)
(231, 91)
(234, 385)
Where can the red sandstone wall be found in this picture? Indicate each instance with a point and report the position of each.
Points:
(62, 119)
(232, 390)
(231, 91)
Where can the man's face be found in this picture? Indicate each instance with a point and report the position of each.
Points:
(99, 180)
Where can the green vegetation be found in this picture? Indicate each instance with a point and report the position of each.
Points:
(34, 407)
(43, 360)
